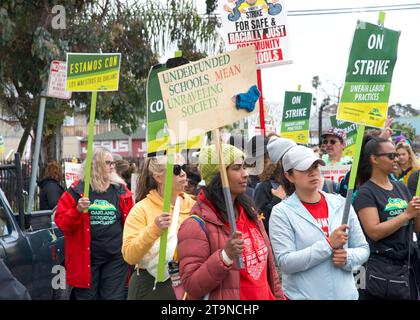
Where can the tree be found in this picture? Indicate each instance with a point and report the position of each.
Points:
(399, 110)
(408, 130)
(141, 32)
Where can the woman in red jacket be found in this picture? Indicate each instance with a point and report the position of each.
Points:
(208, 255)
(93, 230)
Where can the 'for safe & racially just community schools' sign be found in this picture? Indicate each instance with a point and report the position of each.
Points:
(200, 96)
(93, 71)
(296, 113)
(369, 73)
(259, 23)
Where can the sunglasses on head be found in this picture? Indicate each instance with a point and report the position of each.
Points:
(331, 142)
(390, 155)
(178, 168)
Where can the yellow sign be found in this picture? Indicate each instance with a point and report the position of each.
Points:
(301, 137)
(93, 72)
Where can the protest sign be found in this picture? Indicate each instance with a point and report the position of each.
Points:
(93, 71)
(351, 133)
(296, 113)
(335, 173)
(201, 96)
(260, 23)
(369, 73)
(71, 170)
(1, 144)
(157, 133)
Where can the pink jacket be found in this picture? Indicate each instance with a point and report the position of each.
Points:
(201, 266)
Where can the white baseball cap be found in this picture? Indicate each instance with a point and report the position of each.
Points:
(300, 158)
(277, 147)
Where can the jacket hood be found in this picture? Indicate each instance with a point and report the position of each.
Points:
(157, 200)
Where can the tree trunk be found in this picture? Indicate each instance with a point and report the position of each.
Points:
(52, 146)
(24, 139)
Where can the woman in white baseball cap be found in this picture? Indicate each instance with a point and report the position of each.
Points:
(314, 250)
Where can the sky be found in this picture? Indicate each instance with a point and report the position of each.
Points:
(320, 46)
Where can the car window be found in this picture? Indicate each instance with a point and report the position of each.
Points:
(4, 222)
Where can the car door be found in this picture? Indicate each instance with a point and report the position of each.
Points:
(14, 246)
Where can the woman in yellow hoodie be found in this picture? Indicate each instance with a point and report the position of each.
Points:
(145, 224)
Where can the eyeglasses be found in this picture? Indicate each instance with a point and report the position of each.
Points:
(178, 168)
(110, 163)
(331, 142)
(390, 155)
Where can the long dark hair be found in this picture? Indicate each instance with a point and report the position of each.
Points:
(371, 146)
(289, 187)
(214, 193)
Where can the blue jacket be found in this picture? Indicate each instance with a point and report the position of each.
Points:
(304, 255)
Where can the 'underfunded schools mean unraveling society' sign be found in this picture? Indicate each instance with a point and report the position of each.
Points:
(369, 73)
(351, 132)
(201, 96)
(93, 71)
(259, 23)
(157, 131)
(296, 113)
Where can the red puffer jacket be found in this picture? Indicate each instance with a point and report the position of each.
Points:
(76, 229)
(201, 266)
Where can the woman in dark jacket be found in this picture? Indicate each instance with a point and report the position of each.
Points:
(50, 188)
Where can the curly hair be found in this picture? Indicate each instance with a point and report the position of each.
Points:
(53, 170)
(271, 170)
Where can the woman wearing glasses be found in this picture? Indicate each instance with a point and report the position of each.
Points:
(386, 211)
(145, 225)
(93, 228)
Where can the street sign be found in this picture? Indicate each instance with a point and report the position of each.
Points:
(57, 81)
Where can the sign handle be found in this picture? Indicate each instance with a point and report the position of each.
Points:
(299, 87)
(261, 102)
(170, 159)
(170, 156)
(90, 144)
(226, 189)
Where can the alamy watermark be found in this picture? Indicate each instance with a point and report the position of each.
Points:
(58, 21)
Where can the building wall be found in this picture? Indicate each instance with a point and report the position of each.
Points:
(117, 146)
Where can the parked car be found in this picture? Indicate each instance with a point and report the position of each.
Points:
(31, 246)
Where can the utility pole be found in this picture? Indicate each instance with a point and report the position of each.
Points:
(324, 104)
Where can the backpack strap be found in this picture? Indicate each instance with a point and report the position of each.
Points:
(201, 222)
